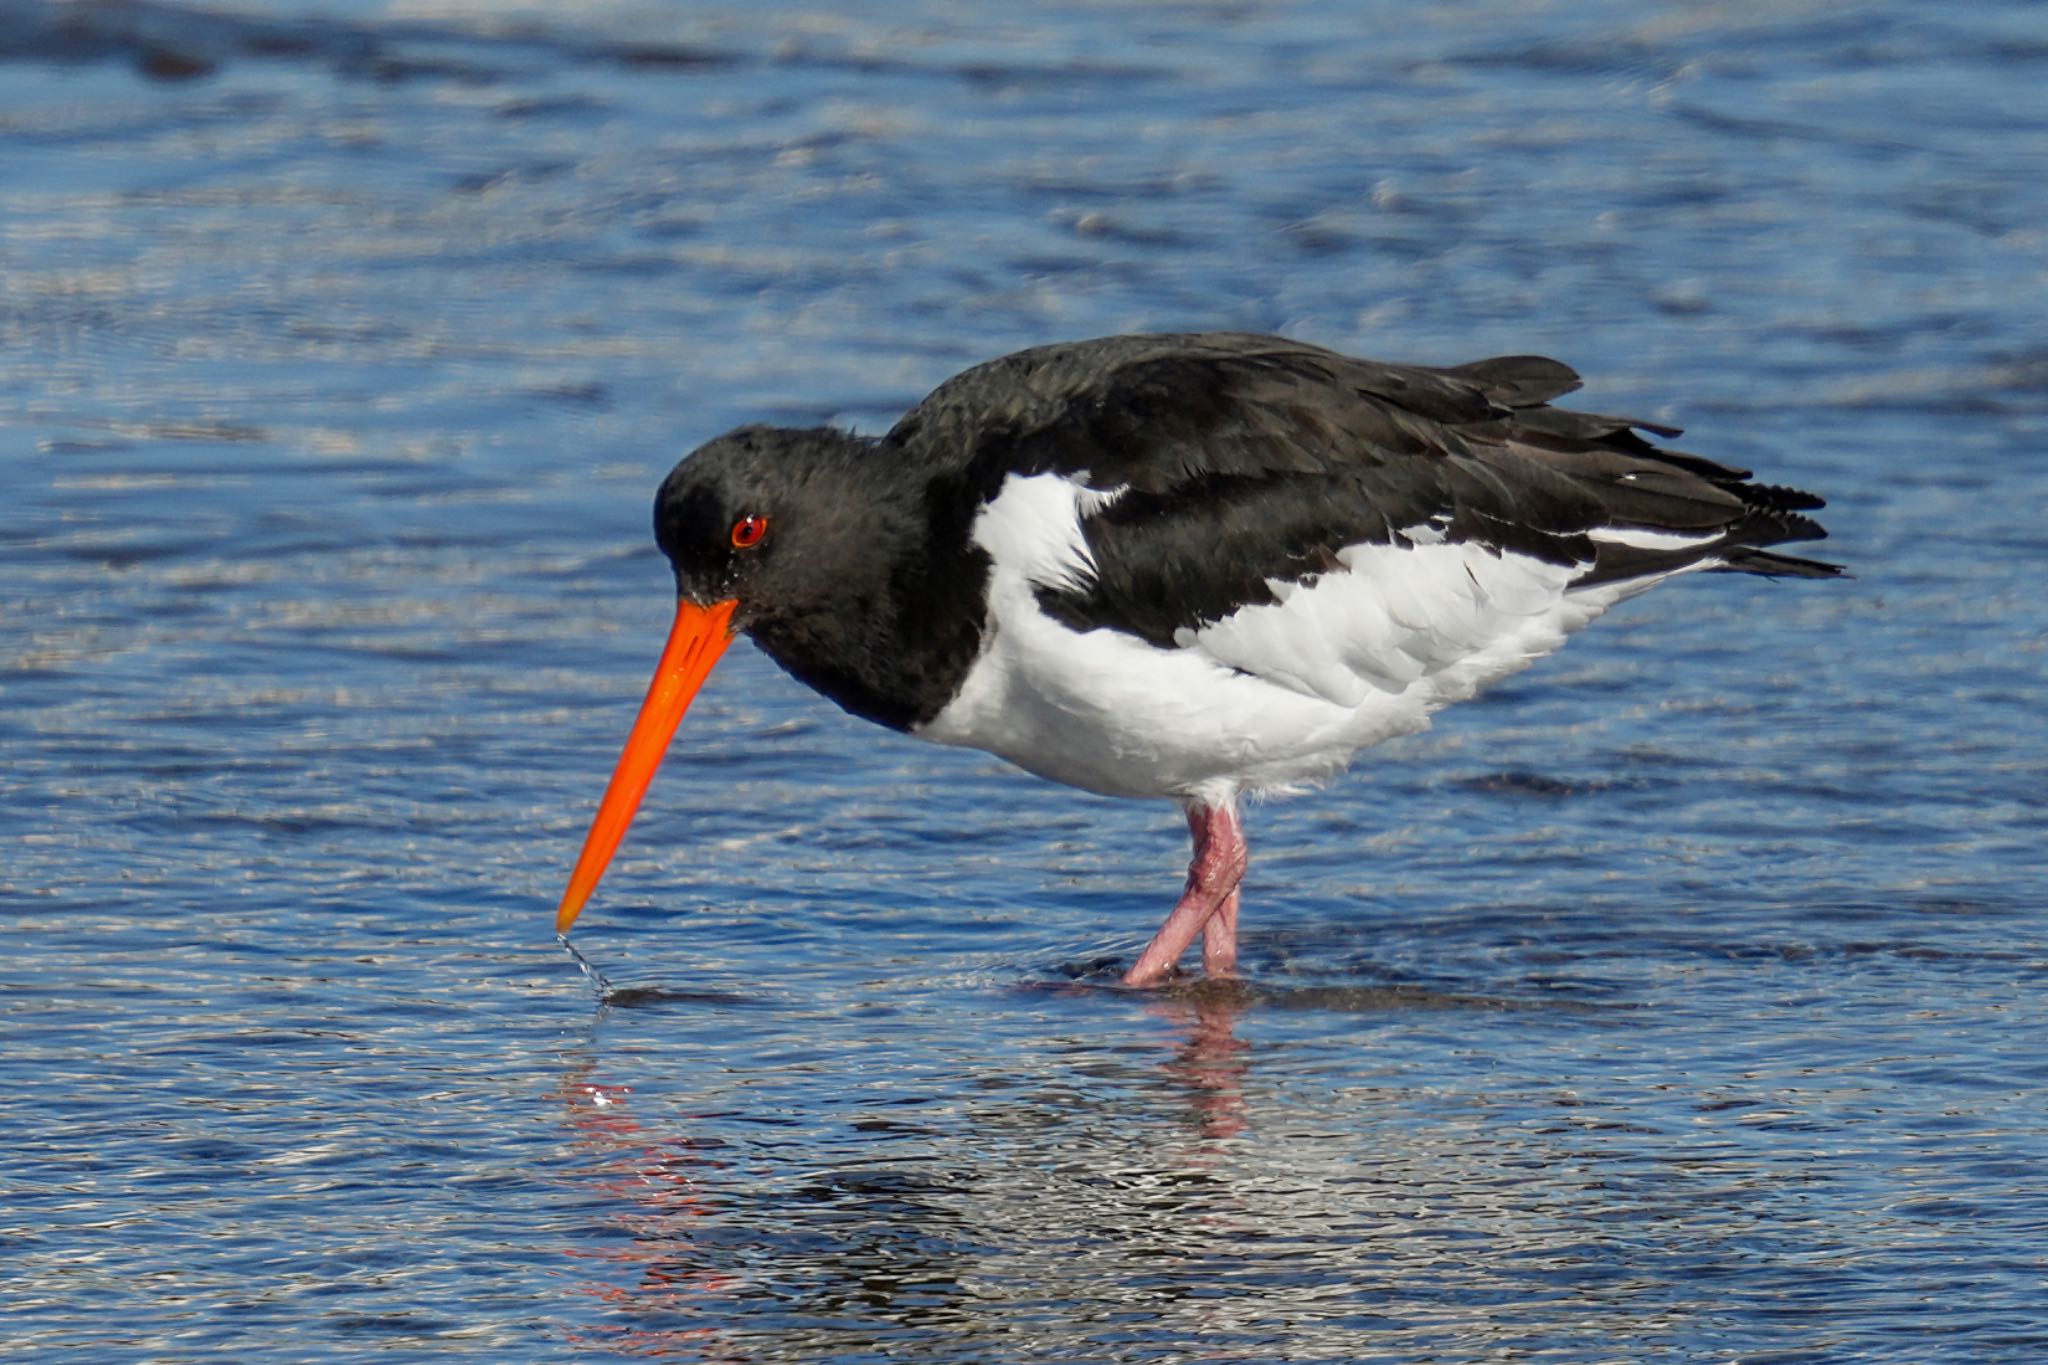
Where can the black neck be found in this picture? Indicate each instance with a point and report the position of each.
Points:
(904, 622)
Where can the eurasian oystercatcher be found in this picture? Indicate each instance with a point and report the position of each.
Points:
(1187, 566)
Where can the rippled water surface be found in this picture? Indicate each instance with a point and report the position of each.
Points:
(1682, 1001)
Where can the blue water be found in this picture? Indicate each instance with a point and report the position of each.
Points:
(1682, 1001)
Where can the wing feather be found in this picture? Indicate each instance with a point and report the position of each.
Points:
(1233, 468)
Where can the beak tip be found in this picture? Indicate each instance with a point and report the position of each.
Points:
(566, 913)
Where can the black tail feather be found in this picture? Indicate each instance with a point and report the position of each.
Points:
(1771, 565)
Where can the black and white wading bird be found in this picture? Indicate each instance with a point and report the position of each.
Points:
(1194, 566)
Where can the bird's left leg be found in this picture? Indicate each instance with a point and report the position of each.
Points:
(1218, 864)
(1219, 938)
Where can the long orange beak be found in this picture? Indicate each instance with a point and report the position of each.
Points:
(698, 637)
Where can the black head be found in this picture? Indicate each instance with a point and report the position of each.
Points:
(845, 561)
(753, 526)
(772, 518)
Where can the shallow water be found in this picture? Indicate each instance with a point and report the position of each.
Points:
(1681, 1001)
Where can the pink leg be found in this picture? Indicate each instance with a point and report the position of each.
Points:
(1219, 938)
(1213, 874)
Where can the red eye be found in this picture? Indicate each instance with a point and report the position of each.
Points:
(748, 530)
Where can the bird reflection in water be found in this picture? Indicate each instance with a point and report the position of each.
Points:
(946, 1199)
(652, 1180)
(1209, 1061)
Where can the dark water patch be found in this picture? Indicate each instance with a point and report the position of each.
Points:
(178, 42)
(1602, 59)
(569, 107)
(1527, 784)
(668, 57)
(643, 997)
(613, 996)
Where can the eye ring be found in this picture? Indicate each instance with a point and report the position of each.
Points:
(748, 531)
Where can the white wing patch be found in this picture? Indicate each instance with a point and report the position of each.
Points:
(1089, 501)
(1638, 539)
(1431, 532)
(1032, 530)
(1397, 616)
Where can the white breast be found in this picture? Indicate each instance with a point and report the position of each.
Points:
(1270, 696)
